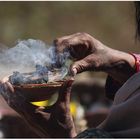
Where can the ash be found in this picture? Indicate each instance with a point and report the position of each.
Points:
(33, 61)
(34, 56)
(39, 76)
(42, 75)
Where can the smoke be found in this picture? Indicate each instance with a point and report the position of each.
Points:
(24, 57)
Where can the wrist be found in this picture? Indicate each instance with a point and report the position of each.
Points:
(130, 60)
(123, 57)
(122, 66)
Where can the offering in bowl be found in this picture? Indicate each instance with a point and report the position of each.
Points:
(38, 85)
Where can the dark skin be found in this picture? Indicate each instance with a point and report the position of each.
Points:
(54, 121)
(88, 54)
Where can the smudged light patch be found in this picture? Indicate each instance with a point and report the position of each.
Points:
(27, 54)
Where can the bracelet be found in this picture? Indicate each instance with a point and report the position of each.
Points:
(137, 61)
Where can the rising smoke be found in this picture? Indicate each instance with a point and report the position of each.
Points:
(27, 54)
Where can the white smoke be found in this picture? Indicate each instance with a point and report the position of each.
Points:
(26, 54)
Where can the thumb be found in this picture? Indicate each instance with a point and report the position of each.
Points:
(79, 66)
(65, 91)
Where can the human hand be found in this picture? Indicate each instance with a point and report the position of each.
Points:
(91, 55)
(83, 48)
(53, 121)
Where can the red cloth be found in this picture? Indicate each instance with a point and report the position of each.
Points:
(137, 61)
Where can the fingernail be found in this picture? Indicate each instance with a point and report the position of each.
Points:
(74, 71)
(10, 87)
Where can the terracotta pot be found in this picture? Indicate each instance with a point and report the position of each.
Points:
(39, 92)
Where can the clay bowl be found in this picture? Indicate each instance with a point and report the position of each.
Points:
(39, 92)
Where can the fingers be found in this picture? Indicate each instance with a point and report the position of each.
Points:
(66, 42)
(64, 93)
(14, 98)
(16, 101)
(5, 79)
(6, 89)
(10, 87)
(47, 109)
(79, 66)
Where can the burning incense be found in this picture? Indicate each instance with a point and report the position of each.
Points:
(32, 61)
(42, 75)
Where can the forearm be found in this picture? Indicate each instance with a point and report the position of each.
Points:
(119, 65)
(120, 70)
(122, 66)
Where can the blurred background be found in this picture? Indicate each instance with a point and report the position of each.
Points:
(113, 23)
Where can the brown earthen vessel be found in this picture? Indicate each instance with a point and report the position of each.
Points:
(38, 92)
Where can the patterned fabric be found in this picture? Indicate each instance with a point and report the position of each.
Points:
(94, 133)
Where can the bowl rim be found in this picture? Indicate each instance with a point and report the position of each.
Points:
(44, 85)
